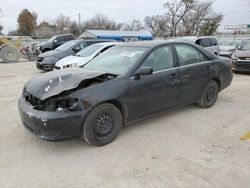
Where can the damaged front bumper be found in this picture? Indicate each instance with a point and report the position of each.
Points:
(51, 126)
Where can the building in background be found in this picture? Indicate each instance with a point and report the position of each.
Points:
(125, 36)
(237, 29)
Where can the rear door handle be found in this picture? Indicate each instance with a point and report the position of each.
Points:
(174, 76)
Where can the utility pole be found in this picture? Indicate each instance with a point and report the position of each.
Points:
(80, 30)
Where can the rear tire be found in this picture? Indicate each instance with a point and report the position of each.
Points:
(209, 95)
(9, 54)
(102, 125)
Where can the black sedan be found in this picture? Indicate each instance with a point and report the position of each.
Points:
(126, 83)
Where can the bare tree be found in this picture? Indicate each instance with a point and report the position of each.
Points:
(45, 30)
(175, 12)
(136, 25)
(74, 28)
(193, 19)
(100, 22)
(157, 25)
(62, 23)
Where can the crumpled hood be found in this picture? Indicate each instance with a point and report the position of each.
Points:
(73, 59)
(242, 53)
(54, 83)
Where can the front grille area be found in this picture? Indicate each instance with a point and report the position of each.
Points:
(242, 64)
(39, 59)
(244, 58)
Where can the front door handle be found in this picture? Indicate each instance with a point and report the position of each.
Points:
(208, 67)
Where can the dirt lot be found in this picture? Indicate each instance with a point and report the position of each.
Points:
(188, 147)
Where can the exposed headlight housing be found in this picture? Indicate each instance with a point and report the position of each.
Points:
(63, 103)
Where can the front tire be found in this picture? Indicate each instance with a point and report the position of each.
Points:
(209, 95)
(102, 125)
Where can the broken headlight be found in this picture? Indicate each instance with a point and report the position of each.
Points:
(64, 103)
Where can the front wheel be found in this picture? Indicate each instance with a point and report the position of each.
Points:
(102, 125)
(209, 95)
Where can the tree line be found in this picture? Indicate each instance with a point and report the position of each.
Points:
(180, 18)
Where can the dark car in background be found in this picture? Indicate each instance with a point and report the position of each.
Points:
(124, 84)
(241, 58)
(54, 42)
(46, 61)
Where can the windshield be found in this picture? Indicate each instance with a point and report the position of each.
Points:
(66, 46)
(52, 39)
(89, 50)
(117, 60)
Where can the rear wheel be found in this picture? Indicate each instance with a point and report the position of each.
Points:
(209, 95)
(9, 54)
(102, 125)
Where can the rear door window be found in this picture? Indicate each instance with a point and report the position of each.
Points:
(205, 42)
(189, 55)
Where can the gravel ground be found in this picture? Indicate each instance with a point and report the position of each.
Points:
(188, 147)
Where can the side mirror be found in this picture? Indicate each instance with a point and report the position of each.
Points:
(55, 41)
(143, 71)
(75, 50)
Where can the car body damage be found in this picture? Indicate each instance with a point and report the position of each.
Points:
(124, 84)
(55, 83)
(48, 99)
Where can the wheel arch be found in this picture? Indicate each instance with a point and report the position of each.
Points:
(120, 107)
(218, 81)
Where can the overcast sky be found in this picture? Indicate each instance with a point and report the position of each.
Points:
(234, 11)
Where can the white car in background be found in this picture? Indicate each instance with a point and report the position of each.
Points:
(84, 56)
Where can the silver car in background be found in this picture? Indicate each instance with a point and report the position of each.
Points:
(209, 43)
